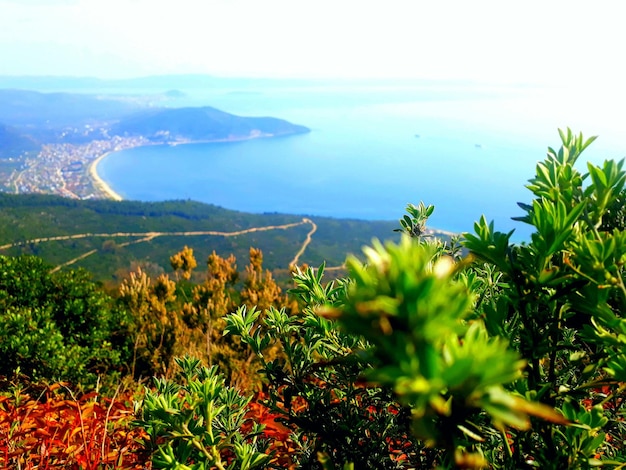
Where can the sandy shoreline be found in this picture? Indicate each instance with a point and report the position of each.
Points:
(99, 183)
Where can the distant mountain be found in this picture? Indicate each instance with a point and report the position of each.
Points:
(31, 118)
(13, 143)
(153, 82)
(31, 108)
(159, 83)
(174, 94)
(204, 123)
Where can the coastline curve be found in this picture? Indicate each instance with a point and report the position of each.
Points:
(99, 183)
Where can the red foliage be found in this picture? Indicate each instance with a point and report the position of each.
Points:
(53, 431)
(281, 447)
(94, 432)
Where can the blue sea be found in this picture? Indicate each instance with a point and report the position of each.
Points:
(468, 149)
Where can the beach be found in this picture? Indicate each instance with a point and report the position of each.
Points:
(99, 183)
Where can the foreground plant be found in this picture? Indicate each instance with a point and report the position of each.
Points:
(561, 308)
(195, 421)
(46, 428)
(510, 358)
(434, 352)
(314, 385)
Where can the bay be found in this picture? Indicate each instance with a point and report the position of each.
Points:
(468, 150)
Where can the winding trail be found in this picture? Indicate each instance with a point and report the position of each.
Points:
(147, 236)
(150, 235)
(89, 253)
(72, 261)
(308, 239)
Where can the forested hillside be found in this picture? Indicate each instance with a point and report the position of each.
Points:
(24, 218)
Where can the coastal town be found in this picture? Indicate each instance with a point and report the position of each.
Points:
(69, 170)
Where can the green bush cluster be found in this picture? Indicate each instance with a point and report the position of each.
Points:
(57, 326)
(314, 382)
(197, 419)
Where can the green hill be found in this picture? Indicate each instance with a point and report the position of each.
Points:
(57, 110)
(100, 225)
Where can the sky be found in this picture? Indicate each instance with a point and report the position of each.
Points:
(549, 41)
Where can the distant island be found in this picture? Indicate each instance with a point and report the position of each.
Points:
(51, 142)
(174, 94)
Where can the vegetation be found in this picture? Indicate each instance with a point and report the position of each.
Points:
(314, 383)
(47, 427)
(171, 319)
(471, 353)
(198, 418)
(58, 326)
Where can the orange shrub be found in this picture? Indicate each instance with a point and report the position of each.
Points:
(54, 431)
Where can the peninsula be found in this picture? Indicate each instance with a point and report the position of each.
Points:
(205, 124)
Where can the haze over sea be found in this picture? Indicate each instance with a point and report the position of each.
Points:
(465, 148)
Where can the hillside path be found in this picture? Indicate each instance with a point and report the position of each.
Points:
(307, 240)
(147, 236)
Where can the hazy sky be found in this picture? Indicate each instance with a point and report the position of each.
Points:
(537, 41)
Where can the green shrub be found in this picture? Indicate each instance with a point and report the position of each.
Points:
(560, 305)
(57, 326)
(195, 421)
(512, 357)
(313, 382)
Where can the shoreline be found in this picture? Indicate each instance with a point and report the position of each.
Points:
(99, 183)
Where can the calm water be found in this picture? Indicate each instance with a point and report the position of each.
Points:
(468, 151)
